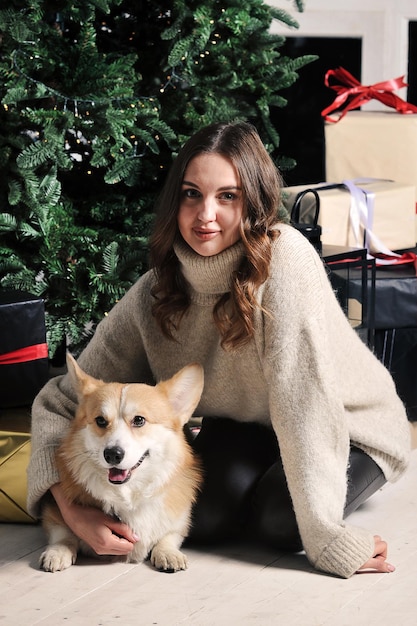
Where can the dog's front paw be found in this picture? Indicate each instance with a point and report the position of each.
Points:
(56, 558)
(168, 560)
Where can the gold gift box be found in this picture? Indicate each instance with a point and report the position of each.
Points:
(393, 219)
(14, 459)
(377, 144)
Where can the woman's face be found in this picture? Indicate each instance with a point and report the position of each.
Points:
(211, 204)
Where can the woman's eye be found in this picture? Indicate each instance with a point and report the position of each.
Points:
(190, 193)
(138, 421)
(228, 195)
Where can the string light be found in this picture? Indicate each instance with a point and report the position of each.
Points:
(173, 76)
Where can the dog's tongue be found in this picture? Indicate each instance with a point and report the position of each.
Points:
(118, 475)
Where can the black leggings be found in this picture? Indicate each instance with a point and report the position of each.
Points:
(245, 490)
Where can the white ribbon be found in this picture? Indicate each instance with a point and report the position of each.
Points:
(361, 216)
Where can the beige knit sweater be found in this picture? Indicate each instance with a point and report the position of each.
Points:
(306, 372)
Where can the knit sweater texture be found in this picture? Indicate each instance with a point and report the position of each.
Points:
(306, 373)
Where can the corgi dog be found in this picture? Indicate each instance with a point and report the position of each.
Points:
(126, 453)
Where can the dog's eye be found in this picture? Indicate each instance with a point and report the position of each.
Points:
(138, 421)
(101, 421)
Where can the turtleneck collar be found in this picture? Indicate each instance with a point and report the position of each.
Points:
(208, 276)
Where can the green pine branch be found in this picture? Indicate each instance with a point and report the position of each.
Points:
(95, 101)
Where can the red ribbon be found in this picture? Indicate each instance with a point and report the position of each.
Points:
(31, 353)
(351, 94)
(406, 258)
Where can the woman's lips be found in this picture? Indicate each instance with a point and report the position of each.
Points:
(205, 234)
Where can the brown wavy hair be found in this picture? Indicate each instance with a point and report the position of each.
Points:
(261, 188)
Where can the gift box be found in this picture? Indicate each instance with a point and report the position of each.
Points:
(23, 348)
(395, 295)
(14, 459)
(391, 215)
(380, 144)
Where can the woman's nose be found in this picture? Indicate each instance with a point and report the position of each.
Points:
(207, 212)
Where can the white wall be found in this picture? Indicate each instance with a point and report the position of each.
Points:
(382, 25)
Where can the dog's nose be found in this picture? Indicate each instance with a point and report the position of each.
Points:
(114, 455)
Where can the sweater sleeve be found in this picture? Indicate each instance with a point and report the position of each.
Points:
(314, 443)
(303, 335)
(115, 353)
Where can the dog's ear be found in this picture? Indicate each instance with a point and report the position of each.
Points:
(184, 390)
(83, 383)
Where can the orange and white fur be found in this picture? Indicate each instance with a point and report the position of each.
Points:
(126, 453)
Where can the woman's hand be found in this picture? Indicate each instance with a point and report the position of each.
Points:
(378, 561)
(105, 535)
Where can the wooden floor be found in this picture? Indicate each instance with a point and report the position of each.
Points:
(231, 586)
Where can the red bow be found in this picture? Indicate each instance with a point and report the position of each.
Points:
(351, 94)
(31, 353)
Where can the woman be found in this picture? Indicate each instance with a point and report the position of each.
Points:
(301, 421)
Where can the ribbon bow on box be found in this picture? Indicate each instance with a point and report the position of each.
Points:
(361, 216)
(351, 94)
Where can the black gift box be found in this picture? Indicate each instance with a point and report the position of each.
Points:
(395, 296)
(23, 350)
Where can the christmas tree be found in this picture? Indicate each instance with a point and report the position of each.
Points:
(97, 97)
